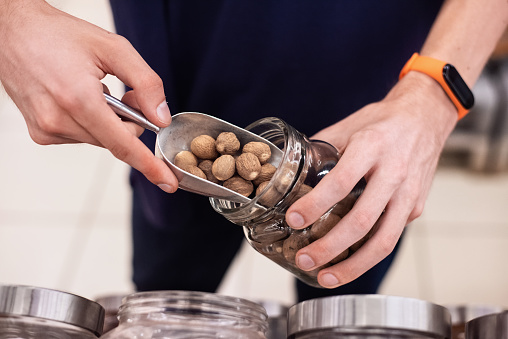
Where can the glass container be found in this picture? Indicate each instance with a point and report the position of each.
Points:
(368, 316)
(187, 314)
(277, 319)
(37, 313)
(303, 164)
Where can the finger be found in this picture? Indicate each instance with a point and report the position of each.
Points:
(335, 186)
(353, 226)
(129, 98)
(125, 62)
(98, 118)
(372, 252)
(424, 185)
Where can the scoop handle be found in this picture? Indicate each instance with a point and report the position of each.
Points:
(128, 113)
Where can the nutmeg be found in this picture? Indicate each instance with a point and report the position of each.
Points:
(260, 149)
(239, 185)
(206, 167)
(323, 225)
(295, 242)
(185, 158)
(270, 197)
(195, 170)
(227, 143)
(223, 167)
(203, 146)
(248, 166)
(266, 173)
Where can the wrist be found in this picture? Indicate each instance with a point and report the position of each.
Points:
(446, 76)
(427, 100)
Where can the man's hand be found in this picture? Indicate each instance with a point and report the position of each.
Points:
(395, 144)
(51, 64)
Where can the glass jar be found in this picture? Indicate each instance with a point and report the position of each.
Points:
(303, 164)
(368, 316)
(37, 313)
(186, 314)
(277, 319)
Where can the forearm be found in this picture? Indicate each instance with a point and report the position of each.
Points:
(465, 34)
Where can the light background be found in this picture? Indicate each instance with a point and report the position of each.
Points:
(64, 222)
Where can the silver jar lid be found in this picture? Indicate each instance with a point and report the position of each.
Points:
(370, 315)
(461, 314)
(492, 326)
(52, 305)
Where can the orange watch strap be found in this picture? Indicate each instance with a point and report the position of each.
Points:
(433, 68)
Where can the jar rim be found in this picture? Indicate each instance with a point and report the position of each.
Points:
(205, 302)
(287, 136)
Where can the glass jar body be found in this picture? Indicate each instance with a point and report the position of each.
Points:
(303, 164)
(20, 327)
(185, 314)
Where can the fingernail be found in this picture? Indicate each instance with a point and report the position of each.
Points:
(163, 113)
(305, 262)
(329, 280)
(295, 220)
(166, 188)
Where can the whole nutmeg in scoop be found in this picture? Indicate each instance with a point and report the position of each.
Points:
(239, 185)
(248, 166)
(185, 158)
(260, 149)
(223, 167)
(266, 173)
(203, 146)
(206, 167)
(227, 143)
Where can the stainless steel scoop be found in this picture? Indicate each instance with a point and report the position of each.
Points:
(178, 136)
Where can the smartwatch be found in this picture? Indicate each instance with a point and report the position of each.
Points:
(447, 76)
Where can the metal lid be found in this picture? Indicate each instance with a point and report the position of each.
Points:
(370, 314)
(52, 305)
(464, 313)
(492, 326)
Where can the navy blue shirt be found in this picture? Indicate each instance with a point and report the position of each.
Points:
(308, 62)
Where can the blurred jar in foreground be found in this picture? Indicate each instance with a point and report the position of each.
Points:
(368, 316)
(187, 314)
(37, 313)
(303, 164)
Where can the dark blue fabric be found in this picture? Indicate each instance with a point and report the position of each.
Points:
(310, 63)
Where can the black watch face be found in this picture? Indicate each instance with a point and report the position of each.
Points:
(458, 86)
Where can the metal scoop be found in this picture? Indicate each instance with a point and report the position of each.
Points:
(178, 136)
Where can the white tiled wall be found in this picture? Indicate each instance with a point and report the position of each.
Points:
(64, 222)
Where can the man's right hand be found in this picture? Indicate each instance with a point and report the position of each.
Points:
(51, 65)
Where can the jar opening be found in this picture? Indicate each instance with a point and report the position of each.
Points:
(200, 306)
(288, 140)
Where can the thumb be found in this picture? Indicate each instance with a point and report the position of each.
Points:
(123, 61)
